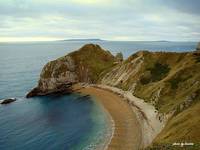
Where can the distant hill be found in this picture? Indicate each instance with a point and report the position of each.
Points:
(162, 41)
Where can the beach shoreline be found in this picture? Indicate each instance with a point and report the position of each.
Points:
(151, 121)
(127, 132)
(110, 126)
(145, 118)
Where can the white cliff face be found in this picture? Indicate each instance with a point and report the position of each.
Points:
(58, 72)
(122, 73)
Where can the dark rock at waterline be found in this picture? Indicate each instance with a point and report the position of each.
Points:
(83, 97)
(7, 101)
(86, 96)
(33, 92)
(61, 89)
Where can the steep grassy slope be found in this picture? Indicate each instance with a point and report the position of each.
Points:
(170, 81)
(184, 126)
(91, 60)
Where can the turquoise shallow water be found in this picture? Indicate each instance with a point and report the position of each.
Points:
(55, 121)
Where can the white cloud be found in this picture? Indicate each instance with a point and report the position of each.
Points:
(92, 2)
(109, 19)
(155, 18)
(27, 39)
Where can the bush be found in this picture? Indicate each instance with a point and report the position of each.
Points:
(156, 73)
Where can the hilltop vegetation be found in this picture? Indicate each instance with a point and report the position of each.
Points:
(169, 81)
(91, 60)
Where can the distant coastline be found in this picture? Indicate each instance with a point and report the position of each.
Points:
(92, 40)
(83, 40)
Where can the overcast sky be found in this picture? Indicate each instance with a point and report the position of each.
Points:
(175, 20)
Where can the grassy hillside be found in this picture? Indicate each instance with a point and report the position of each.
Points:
(184, 126)
(171, 82)
(91, 60)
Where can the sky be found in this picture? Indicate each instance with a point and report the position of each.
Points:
(119, 20)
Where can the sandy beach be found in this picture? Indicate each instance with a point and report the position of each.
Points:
(127, 133)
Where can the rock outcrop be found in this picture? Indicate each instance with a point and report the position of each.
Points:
(55, 76)
(198, 47)
(83, 65)
(119, 57)
(8, 101)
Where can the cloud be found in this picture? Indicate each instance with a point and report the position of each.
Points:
(107, 19)
(185, 6)
(92, 2)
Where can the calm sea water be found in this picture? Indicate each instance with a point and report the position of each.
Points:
(55, 122)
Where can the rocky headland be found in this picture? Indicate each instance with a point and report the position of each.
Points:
(84, 65)
(168, 82)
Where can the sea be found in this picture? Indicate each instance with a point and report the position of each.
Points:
(56, 122)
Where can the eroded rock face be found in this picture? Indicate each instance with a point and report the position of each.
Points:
(156, 76)
(83, 65)
(56, 73)
(56, 76)
(122, 73)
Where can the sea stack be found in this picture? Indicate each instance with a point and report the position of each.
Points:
(198, 47)
(119, 56)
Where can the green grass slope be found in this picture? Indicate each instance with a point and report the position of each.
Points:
(168, 80)
(91, 60)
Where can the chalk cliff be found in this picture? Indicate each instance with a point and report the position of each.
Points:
(83, 65)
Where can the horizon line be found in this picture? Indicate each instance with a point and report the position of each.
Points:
(93, 39)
